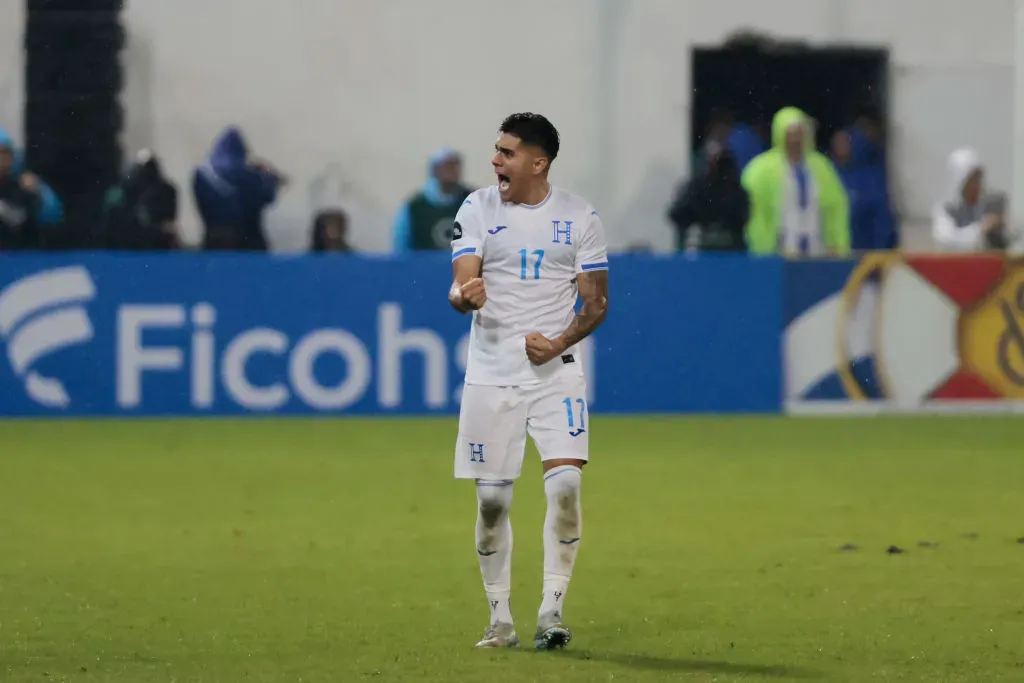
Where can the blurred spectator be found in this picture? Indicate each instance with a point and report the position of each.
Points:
(20, 203)
(740, 139)
(232, 192)
(861, 167)
(797, 203)
(51, 210)
(745, 143)
(142, 211)
(330, 231)
(425, 221)
(716, 137)
(715, 204)
(971, 219)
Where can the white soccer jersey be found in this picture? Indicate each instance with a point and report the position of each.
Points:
(531, 257)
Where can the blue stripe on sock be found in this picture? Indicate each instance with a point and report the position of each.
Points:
(494, 483)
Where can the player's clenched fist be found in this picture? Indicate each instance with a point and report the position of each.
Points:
(473, 294)
(540, 349)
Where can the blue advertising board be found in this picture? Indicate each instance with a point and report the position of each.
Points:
(192, 334)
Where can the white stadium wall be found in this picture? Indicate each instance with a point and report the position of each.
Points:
(12, 66)
(357, 93)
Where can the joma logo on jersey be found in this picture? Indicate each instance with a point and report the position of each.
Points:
(561, 232)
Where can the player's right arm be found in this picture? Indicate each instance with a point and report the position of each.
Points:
(467, 291)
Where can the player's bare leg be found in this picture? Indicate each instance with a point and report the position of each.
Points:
(494, 550)
(563, 527)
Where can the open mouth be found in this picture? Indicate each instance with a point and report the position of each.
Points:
(503, 182)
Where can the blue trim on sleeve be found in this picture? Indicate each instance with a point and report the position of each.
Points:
(603, 265)
(463, 252)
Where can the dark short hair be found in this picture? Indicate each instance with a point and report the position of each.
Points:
(533, 129)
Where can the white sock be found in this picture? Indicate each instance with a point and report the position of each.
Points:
(563, 526)
(494, 546)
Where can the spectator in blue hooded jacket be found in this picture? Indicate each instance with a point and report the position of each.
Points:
(232, 193)
(51, 210)
(425, 221)
(861, 167)
(744, 142)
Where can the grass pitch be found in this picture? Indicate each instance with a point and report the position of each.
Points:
(342, 550)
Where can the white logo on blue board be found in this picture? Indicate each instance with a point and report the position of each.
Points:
(40, 315)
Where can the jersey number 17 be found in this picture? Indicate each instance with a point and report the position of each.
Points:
(524, 263)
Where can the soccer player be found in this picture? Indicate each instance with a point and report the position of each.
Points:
(522, 250)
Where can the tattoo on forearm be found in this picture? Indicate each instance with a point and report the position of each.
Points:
(594, 292)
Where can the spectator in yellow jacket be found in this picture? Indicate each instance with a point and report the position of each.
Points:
(798, 206)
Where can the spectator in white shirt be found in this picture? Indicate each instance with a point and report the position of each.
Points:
(971, 220)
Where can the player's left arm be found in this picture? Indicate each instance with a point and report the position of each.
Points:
(592, 281)
(594, 292)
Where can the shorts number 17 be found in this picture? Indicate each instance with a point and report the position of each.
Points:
(575, 430)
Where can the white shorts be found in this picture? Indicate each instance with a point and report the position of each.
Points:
(494, 422)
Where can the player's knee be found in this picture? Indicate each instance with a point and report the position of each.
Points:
(562, 485)
(490, 512)
(563, 482)
(493, 500)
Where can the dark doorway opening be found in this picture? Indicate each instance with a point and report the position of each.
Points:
(750, 79)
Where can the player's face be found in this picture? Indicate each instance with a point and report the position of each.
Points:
(516, 165)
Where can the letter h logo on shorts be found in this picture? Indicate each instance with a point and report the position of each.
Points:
(560, 232)
(476, 452)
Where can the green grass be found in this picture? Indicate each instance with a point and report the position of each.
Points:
(342, 550)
